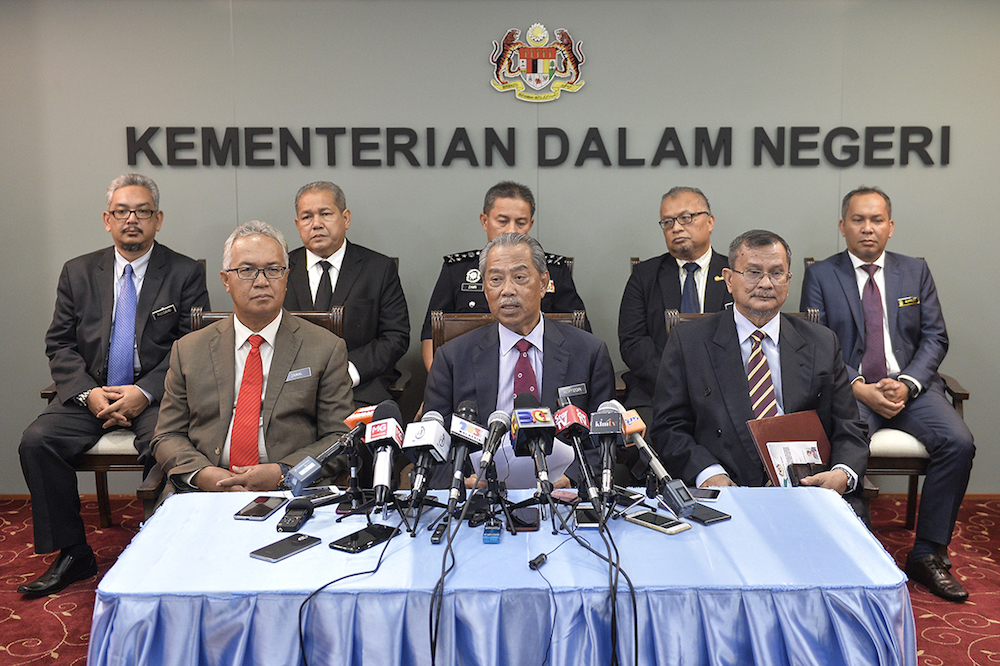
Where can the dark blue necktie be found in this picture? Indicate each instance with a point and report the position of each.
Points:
(121, 367)
(689, 296)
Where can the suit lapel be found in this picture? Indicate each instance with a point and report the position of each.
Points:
(849, 283)
(104, 285)
(716, 292)
(669, 283)
(286, 347)
(298, 279)
(151, 282)
(349, 270)
(796, 369)
(555, 364)
(486, 368)
(893, 280)
(724, 354)
(222, 349)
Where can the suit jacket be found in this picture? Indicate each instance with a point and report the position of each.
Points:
(302, 416)
(78, 339)
(376, 320)
(653, 287)
(916, 324)
(703, 401)
(468, 367)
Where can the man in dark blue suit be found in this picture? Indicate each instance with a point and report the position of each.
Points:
(161, 287)
(867, 294)
(480, 365)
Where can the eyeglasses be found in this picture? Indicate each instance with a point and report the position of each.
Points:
(683, 219)
(753, 276)
(124, 213)
(251, 273)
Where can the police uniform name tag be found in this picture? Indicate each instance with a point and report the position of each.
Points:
(909, 300)
(471, 286)
(301, 373)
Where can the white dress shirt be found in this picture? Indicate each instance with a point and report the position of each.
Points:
(700, 275)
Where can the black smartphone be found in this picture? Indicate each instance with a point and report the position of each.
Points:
(526, 519)
(627, 496)
(365, 538)
(286, 547)
(656, 521)
(586, 517)
(705, 494)
(260, 508)
(367, 496)
(706, 515)
(799, 471)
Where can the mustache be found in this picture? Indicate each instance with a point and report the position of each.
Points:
(509, 301)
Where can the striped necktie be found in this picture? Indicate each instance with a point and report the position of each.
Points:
(762, 397)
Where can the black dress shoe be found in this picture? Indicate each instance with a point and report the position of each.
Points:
(65, 570)
(932, 572)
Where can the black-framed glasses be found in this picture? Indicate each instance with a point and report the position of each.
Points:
(753, 276)
(251, 272)
(684, 219)
(125, 213)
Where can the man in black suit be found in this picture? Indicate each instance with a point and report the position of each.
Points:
(703, 392)
(896, 381)
(331, 271)
(481, 365)
(108, 372)
(687, 278)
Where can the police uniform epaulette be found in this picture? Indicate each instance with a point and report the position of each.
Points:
(555, 259)
(459, 257)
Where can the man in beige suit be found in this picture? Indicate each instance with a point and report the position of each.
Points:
(204, 436)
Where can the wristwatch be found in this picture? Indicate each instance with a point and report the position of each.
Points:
(285, 468)
(913, 388)
(82, 398)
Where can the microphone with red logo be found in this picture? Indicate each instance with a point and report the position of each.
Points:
(573, 427)
(384, 436)
(533, 430)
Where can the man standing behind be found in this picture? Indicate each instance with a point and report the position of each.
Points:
(885, 311)
(281, 382)
(523, 352)
(787, 365)
(117, 312)
(509, 208)
(687, 278)
(331, 271)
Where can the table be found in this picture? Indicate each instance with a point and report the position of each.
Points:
(793, 578)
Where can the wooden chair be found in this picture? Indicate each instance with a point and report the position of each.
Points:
(152, 486)
(448, 325)
(896, 453)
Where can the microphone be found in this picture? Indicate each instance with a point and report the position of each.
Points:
(308, 469)
(465, 433)
(533, 431)
(427, 443)
(499, 425)
(383, 436)
(573, 427)
(675, 494)
(606, 429)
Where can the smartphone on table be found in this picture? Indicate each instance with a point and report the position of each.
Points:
(260, 508)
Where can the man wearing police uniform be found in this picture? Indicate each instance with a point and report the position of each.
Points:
(509, 207)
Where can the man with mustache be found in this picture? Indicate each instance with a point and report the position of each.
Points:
(524, 351)
(750, 362)
(884, 308)
(117, 313)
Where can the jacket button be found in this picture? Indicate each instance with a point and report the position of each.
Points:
(718, 433)
(708, 391)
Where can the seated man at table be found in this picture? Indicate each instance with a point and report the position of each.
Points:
(524, 351)
(248, 397)
(747, 363)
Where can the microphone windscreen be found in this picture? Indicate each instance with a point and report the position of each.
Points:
(468, 410)
(499, 417)
(433, 416)
(387, 409)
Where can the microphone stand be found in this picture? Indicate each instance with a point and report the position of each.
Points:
(496, 495)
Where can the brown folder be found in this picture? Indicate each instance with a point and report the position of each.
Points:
(796, 427)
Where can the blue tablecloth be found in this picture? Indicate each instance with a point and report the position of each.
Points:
(793, 578)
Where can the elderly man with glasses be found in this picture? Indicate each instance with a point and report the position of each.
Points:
(117, 312)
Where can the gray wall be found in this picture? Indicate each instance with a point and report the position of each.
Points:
(77, 73)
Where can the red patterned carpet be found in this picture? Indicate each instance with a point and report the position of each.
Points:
(55, 630)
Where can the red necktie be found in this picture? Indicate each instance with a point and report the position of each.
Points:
(873, 361)
(243, 450)
(759, 378)
(524, 375)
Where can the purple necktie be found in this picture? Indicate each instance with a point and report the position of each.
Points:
(873, 362)
(524, 375)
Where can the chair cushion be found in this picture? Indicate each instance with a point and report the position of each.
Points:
(119, 441)
(891, 443)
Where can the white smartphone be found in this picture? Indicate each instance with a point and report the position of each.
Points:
(705, 494)
(586, 516)
(658, 522)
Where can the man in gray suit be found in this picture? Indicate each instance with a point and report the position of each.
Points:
(108, 369)
(249, 397)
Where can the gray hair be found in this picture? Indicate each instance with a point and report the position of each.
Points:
(683, 189)
(508, 189)
(254, 228)
(323, 186)
(756, 238)
(864, 190)
(127, 179)
(511, 239)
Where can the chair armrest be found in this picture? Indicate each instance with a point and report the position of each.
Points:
(620, 385)
(49, 392)
(397, 387)
(869, 489)
(152, 485)
(956, 391)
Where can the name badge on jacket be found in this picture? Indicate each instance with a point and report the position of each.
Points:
(301, 373)
(909, 300)
(164, 311)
